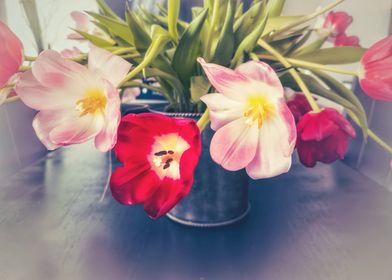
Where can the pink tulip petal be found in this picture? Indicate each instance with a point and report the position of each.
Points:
(82, 21)
(260, 71)
(224, 80)
(11, 54)
(71, 53)
(76, 129)
(222, 109)
(234, 145)
(52, 71)
(272, 157)
(107, 138)
(38, 97)
(382, 49)
(376, 89)
(112, 67)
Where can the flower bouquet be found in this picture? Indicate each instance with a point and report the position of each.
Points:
(244, 84)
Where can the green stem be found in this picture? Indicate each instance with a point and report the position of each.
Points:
(293, 73)
(371, 134)
(30, 58)
(307, 18)
(24, 68)
(204, 120)
(312, 66)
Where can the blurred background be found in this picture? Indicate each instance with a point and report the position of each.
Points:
(19, 146)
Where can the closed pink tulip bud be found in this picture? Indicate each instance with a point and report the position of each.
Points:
(375, 76)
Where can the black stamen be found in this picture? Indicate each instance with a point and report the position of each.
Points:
(161, 153)
(166, 166)
(170, 152)
(169, 160)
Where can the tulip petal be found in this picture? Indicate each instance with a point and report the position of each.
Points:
(380, 50)
(271, 157)
(134, 184)
(107, 138)
(234, 145)
(226, 81)
(222, 109)
(260, 71)
(53, 71)
(112, 67)
(11, 53)
(39, 97)
(376, 89)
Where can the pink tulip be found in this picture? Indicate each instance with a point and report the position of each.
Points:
(344, 40)
(375, 75)
(254, 127)
(75, 103)
(11, 54)
(337, 22)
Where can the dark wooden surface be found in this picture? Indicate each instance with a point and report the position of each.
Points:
(324, 223)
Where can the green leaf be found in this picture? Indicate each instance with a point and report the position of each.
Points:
(141, 38)
(250, 42)
(106, 10)
(199, 87)
(188, 49)
(98, 41)
(298, 44)
(246, 23)
(314, 46)
(173, 13)
(343, 91)
(225, 48)
(275, 23)
(117, 28)
(275, 7)
(337, 55)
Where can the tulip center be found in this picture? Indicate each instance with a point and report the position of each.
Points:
(258, 110)
(166, 154)
(93, 102)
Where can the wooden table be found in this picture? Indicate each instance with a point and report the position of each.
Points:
(324, 223)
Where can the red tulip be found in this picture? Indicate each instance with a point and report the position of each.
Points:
(11, 54)
(344, 40)
(337, 22)
(299, 106)
(323, 137)
(375, 76)
(159, 155)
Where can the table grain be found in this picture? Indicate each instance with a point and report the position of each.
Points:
(329, 222)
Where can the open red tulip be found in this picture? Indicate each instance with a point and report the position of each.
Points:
(344, 40)
(159, 155)
(375, 75)
(323, 137)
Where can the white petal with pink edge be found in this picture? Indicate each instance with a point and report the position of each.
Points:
(111, 67)
(234, 145)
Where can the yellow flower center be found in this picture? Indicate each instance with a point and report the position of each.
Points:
(259, 109)
(93, 102)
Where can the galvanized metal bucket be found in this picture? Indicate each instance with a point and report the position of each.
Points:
(218, 197)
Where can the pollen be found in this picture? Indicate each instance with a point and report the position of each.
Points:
(93, 102)
(259, 109)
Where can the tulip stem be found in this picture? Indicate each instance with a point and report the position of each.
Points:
(30, 58)
(204, 120)
(371, 134)
(312, 66)
(292, 72)
(307, 18)
(24, 68)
